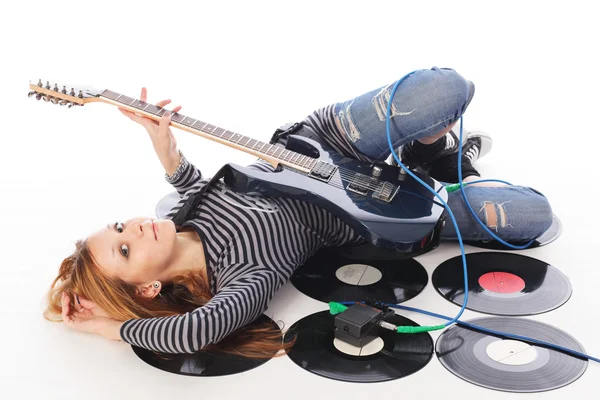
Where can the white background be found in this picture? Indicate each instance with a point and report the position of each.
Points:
(251, 67)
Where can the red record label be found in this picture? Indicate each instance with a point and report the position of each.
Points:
(501, 282)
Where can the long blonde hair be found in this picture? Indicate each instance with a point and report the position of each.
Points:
(79, 274)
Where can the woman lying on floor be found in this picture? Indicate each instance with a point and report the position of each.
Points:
(196, 285)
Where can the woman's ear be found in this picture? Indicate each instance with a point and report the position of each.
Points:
(150, 290)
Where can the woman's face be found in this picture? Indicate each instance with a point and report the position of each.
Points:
(137, 250)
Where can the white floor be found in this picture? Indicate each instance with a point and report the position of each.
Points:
(251, 67)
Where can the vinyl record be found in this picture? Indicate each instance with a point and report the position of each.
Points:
(329, 275)
(503, 284)
(166, 204)
(203, 363)
(508, 365)
(314, 351)
(545, 238)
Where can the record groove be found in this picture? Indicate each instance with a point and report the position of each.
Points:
(203, 363)
(314, 351)
(545, 289)
(461, 351)
(397, 279)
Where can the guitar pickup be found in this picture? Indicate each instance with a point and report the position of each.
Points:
(361, 184)
(323, 171)
(357, 188)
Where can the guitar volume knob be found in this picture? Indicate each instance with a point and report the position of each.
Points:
(376, 171)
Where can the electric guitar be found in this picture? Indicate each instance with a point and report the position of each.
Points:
(379, 201)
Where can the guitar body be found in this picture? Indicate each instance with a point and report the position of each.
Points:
(409, 222)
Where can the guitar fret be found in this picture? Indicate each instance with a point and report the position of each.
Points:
(188, 121)
(138, 104)
(208, 128)
(227, 134)
(126, 100)
(177, 117)
(110, 94)
(224, 132)
(198, 122)
(221, 130)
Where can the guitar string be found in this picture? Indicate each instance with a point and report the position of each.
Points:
(345, 174)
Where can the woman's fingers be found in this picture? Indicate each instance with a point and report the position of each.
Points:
(144, 95)
(163, 103)
(64, 302)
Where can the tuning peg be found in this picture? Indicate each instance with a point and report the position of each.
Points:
(47, 84)
(30, 94)
(46, 97)
(73, 104)
(55, 87)
(72, 92)
(64, 90)
(63, 102)
(40, 84)
(80, 95)
(54, 100)
(38, 96)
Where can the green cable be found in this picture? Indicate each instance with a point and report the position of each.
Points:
(419, 329)
(454, 187)
(336, 308)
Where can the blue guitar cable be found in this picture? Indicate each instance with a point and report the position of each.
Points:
(339, 307)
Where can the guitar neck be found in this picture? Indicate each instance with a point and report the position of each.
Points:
(274, 154)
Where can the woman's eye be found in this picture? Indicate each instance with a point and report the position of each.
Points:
(124, 250)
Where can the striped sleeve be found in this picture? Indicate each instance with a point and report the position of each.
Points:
(185, 176)
(234, 306)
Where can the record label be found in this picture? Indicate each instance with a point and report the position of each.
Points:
(316, 352)
(503, 284)
(330, 275)
(487, 361)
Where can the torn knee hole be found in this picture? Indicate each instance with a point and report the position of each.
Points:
(491, 217)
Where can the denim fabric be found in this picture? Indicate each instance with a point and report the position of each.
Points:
(425, 103)
(513, 213)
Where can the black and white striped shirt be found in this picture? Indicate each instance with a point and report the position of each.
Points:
(253, 244)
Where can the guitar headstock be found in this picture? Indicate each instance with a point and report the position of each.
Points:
(65, 95)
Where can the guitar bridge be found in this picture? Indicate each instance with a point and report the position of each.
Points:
(323, 171)
(386, 192)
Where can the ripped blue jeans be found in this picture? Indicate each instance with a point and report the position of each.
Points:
(424, 104)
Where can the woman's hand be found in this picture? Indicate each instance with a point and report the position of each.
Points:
(160, 133)
(88, 317)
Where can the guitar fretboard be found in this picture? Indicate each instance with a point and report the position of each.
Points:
(239, 141)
